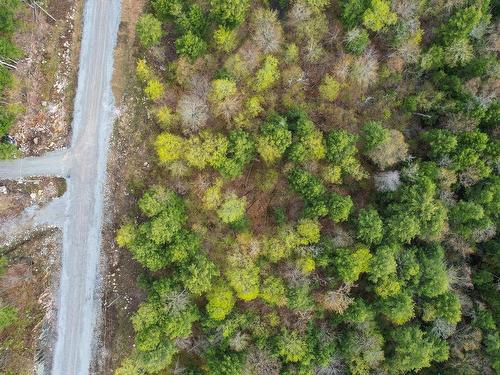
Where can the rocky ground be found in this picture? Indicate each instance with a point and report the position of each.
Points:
(46, 76)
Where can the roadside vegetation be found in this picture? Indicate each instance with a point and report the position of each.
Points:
(9, 53)
(330, 189)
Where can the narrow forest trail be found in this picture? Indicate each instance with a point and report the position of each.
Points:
(80, 213)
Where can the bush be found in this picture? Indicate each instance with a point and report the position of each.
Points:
(149, 30)
(169, 147)
(154, 90)
(268, 75)
(399, 309)
(291, 347)
(232, 209)
(225, 39)
(190, 45)
(273, 291)
(349, 264)
(8, 317)
(339, 207)
(329, 88)
(379, 15)
(8, 151)
(370, 227)
(274, 139)
(6, 79)
(220, 302)
(143, 71)
(165, 117)
(229, 12)
(357, 40)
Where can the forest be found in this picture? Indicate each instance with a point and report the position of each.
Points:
(330, 188)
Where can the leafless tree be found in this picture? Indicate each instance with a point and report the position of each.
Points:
(387, 181)
(193, 112)
(260, 362)
(338, 300)
(267, 31)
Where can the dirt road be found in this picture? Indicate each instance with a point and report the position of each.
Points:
(85, 166)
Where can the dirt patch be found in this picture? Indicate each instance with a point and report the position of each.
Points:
(124, 66)
(27, 286)
(46, 76)
(130, 159)
(15, 196)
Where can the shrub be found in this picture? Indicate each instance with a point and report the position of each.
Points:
(229, 12)
(273, 291)
(379, 15)
(143, 71)
(154, 90)
(220, 302)
(169, 147)
(225, 39)
(291, 347)
(339, 207)
(369, 226)
(149, 30)
(329, 88)
(8, 316)
(274, 139)
(349, 264)
(8, 151)
(357, 40)
(268, 75)
(165, 117)
(190, 45)
(232, 209)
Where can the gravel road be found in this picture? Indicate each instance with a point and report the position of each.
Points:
(93, 117)
(84, 165)
(54, 163)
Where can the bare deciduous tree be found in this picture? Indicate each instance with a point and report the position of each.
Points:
(267, 31)
(193, 112)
